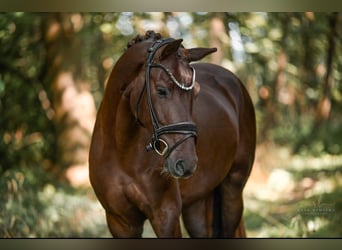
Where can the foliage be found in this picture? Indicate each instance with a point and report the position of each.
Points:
(33, 204)
(308, 205)
(25, 129)
(282, 58)
(285, 110)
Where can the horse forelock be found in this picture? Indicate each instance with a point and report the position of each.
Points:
(149, 35)
(131, 61)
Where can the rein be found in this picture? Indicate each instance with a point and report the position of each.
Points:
(188, 129)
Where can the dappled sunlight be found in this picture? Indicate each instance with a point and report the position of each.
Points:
(54, 68)
(34, 209)
(297, 197)
(78, 175)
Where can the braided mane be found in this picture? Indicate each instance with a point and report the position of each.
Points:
(148, 35)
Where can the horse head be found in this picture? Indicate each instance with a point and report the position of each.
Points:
(161, 99)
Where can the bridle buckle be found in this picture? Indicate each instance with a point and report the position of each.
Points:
(160, 146)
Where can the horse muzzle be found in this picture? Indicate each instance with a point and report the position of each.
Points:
(180, 168)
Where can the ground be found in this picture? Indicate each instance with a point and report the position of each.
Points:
(286, 196)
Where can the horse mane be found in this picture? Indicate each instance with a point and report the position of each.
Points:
(150, 34)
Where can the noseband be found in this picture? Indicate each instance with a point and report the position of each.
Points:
(188, 129)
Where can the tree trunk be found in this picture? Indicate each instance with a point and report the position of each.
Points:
(72, 101)
(324, 104)
(217, 31)
(276, 93)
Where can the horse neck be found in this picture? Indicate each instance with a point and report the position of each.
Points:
(118, 120)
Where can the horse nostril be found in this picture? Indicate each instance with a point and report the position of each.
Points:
(180, 167)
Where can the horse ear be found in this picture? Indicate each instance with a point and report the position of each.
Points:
(171, 48)
(196, 54)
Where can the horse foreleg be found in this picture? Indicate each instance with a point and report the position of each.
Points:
(165, 223)
(122, 228)
(198, 218)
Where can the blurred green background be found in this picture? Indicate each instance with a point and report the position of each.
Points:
(53, 69)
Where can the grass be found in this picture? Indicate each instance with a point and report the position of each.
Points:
(35, 206)
(297, 197)
(305, 200)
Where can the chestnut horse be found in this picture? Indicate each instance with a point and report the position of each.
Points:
(172, 139)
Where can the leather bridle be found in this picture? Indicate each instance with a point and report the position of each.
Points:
(188, 129)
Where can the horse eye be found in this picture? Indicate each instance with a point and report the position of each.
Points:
(162, 92)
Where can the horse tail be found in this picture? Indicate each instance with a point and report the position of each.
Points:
(217, 213)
